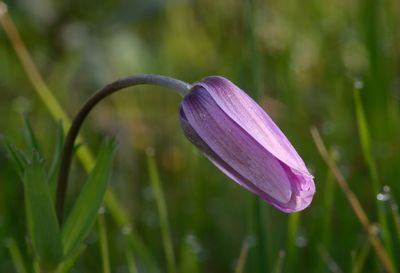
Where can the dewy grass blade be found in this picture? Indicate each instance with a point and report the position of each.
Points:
(17, 158)
(69, 261)
(394, 207)
(293, 226)
(261, 257)
(55, 164)
(105, 255)
(41, 218)
(373, 170)
(241, 263)
(360, 259)
(130, 261)
(189, 257)
(162, 212)
(29, 135)
(83, 214)
(16, 256)
(57, 112)
(354, 202)
(280, 262)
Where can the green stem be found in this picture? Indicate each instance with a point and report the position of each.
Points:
(180, 87)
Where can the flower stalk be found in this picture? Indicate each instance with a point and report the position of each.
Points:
(144, 79)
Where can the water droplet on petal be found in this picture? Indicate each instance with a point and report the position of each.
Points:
(203, 116)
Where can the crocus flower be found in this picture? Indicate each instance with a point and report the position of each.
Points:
(235, 133)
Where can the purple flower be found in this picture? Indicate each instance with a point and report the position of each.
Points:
(235, 133)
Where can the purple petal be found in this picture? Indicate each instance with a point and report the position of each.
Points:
(244, 143)
(253, 119)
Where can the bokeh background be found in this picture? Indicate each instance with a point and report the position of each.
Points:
(301, 60)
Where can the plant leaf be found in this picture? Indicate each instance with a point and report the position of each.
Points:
(84, 212)
(55, 165)
(41, 217)
(17, 158)
(29, 135)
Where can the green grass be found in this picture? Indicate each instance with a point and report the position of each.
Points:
(174, 211)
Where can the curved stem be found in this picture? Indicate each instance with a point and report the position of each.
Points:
(181, 87)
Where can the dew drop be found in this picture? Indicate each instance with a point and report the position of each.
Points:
(382, 197)
(203, 116)
(127, 229)
(150, 151)
(21, 104)
(386, 188)
(194, 244)
(376, 229)
(358, 84)
(148, 193)
(251, 241)
(300, 241)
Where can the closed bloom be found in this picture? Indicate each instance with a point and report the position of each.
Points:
(235, 133)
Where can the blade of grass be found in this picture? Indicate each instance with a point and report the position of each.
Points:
(29, 134)
(293, 226)
(329, 195)
(55, 165)
(326, 223)
(373, 170)
(130, 261)
(16, 256)
(84, 213)
(84, 154)
(162, 212)
(329, 261)
(105, 256)
(70, 260)
(279, 262)
(355, 204)
(132, 236)
(259, 229)
(41, 218)
(242, 257)
(359, 260)
(260, 259)
(189, 258)
(394, 207)
(17, 158)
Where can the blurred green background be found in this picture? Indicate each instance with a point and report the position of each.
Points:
(301, 60)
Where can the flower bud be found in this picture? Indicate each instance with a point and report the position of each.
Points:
(236, 134)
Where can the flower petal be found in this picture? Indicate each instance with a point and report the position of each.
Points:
(252, 118)
(232, 148)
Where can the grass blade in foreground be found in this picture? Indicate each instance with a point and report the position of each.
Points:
(16, 256)
(69, 261)
(105, 255)
(162, 212)
(355, 204)
(56, 160)
(17, 158)
(58, 113)
(83, 215)
(41, 217)
(373, 170)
